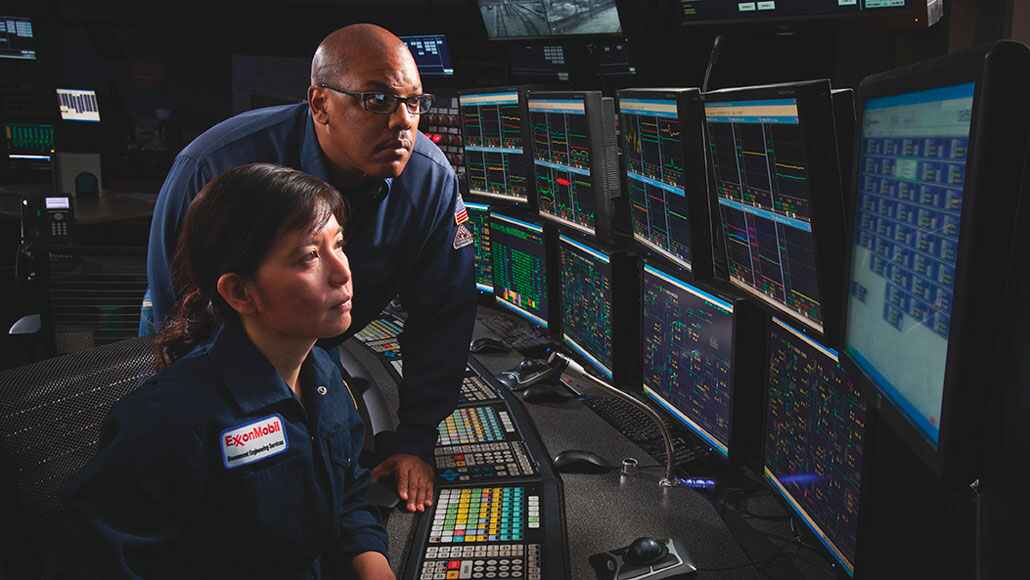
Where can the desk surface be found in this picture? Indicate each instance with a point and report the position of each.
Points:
(603, 512)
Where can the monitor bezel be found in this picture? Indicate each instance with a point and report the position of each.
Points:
(603, 208)
(527, 147)
(867, 438)
(815, 119)
(549, 324)
(446, 43)
(620, 32)
(991, 165)
(845, 129)
(748, 326)
(690, 109)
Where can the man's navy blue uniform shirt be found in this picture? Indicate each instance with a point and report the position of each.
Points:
(162, 498)
(401, 241)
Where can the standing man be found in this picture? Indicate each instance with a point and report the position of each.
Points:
(358, 131)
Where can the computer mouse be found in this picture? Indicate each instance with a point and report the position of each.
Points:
(485, 344)
(544, 393)
(532, 365)
(579, 461)
(646, 550)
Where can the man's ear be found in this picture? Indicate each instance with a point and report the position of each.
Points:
(318, 102)
(236, 293)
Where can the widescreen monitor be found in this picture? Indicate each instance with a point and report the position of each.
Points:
(698, 346)
(432, 54)
(938, 172)
(495, 137)
(815, 425)
(775, 174)
(575, 158)
(519, 249)
(78, 105)
(664, 174)
(708, 12)
(507, 19)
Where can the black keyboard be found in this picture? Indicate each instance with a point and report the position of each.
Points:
(639, 427)
(526, 339)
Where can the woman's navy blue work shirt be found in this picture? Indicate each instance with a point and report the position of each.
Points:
(214, 469)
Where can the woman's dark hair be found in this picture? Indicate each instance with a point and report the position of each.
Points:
(231, 226)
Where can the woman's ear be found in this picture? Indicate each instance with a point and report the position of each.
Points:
(234, 290)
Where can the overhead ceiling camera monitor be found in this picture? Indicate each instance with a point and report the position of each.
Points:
(575, 158)
(598, 292)
(432, 55)
(698, 346)
(815, 425)
(774, 163)
(664, 174)
(78, 105)
(519, 249)
(707, 12)
(479, 223)
(938, 169)
(509, 19)
(17, 40)
(495, 135)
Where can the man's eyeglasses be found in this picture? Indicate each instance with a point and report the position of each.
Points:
(386, 103)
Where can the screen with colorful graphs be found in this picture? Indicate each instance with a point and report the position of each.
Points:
(562, 157)
(520, 267)
(496, 162)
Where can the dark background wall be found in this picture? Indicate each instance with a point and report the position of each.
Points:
(164, 72)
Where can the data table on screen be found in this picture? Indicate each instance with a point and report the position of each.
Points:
(912, 171)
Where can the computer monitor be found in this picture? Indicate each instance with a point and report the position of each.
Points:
(479, 223)
(495, 134)
(432, 55)
(544, 63)
(815, 424)
(575, 159)
(938, 173)
(706, 12)
(508, 19)
(29, 141)
(78, 105)
(774, 166)
(699, 350)
(585, 280)
(519, 249)
(664, 172)
(17, 40)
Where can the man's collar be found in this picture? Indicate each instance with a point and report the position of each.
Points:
(312, 162)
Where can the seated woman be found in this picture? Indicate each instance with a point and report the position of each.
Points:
(239, 460)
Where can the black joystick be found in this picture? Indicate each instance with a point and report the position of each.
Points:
(531, 365)
(646, 550)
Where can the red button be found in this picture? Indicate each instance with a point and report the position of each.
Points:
(436, 138)
(454, 565)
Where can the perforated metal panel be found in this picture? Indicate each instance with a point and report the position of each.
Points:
(52, 412)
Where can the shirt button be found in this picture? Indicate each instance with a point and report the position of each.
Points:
(321, 390)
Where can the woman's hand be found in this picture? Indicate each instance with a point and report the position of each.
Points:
(372, 566)
(414, 479)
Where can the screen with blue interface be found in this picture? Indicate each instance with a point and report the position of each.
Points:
(562, 159)
(496, 163)
(17, 41)
(432, 57)
(479, 223)
(761, 179)
(815, 425)
(654, 176)
(911, 175)
(520, 267)
(688, 355)
(586, 302)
